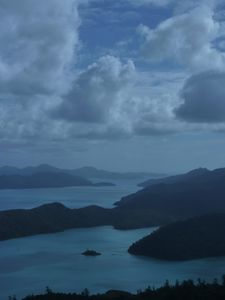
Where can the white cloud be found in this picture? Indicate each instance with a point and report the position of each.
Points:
(96, 91)
(118, 101)
(38, 40)
(38, 45)
(186, 40)
(110, 98)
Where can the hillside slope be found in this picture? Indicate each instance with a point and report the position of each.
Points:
(194, 238)
(191, 197)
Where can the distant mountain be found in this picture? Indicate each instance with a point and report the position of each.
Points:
(159, 204)
(192, 196)
(90, 172)
(194, 238)
(44, 168)
(45, 180)
(177, 178)
(86, 172)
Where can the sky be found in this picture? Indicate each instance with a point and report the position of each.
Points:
(116, 84)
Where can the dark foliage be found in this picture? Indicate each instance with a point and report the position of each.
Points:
(192, 175)
(89, 252)
(56, 217)
(194, 238)
(202, 193)
(187, 290)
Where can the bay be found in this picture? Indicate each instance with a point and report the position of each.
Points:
(28, 265)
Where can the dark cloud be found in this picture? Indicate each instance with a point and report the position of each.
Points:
(204, 98)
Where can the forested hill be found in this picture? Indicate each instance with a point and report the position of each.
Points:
(56, 217)
(187, 198)
(192, 175)
(194, 238)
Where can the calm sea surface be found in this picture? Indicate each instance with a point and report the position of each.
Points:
(28, 265)
(73, 197)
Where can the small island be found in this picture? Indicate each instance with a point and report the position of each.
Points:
(91, 253)
(99, 184)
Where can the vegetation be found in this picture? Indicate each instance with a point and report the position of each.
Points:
(192, 196)
(187, 290)
(192, 175)
(194, 238)
(200, 193)
(91, 253)
(56, 217)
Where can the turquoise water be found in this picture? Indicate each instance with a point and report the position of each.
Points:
(28, 265)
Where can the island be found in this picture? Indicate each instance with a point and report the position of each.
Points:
(91, 253)
(156, 205)
(106, 184)
(190, 239)
(46, 180)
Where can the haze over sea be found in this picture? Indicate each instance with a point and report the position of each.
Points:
(30, 264)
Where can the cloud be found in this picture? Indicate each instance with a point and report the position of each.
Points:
(185, 39)
(118, 101)
(204, 98)
(96, 91)
(46, 99)
(38, 41)
(159, 3)
(38, 46)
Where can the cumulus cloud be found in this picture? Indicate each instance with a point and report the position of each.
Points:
(37, 45)
(204, 98)
(185, 39)
(96, 91)
(118, 101)
(44, 98)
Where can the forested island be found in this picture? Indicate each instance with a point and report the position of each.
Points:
(46, 180)
(89, 252)
(156, 205)
(186, 290)
(195, 238)
(196, 193)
